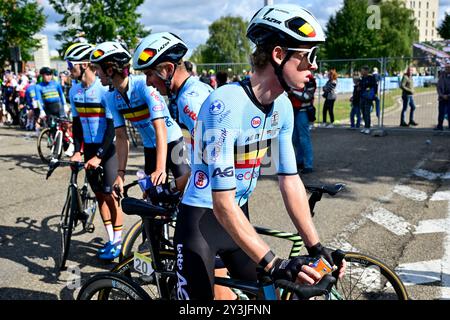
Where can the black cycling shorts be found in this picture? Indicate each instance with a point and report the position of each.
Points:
(176, 159)
(198, 238)
(109, 164)
(53, 109)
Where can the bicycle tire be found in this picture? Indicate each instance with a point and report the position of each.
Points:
(368, 278)
(123, 287)
(45, 143)
(126, 269)
(57, 147)
(130, 239)
(66, 226)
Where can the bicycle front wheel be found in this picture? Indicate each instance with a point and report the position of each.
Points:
(131, 243)
(57, 147)
(119, 288)
(157, 287)
(45, 145)
(367, 278)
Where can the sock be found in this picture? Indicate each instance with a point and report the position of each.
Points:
(117, 234)
(109, 229)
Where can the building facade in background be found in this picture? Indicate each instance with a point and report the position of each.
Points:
(426, 13)
(42, 55)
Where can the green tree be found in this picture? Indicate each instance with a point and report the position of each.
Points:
(444, 28)
(20, 20)
(350, 35)
(227, 42)
(99, 21)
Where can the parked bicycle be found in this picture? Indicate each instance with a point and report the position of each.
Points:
(54, 139)
(80, 206)
(152, 267)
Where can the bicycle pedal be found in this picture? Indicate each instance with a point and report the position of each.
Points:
(90, 228)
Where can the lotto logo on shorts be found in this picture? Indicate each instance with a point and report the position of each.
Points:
(256, 122)
(201, 180)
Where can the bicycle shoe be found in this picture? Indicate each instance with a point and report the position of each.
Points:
(113, 252)
(105, 248)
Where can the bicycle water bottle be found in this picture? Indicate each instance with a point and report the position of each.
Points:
(144, 180)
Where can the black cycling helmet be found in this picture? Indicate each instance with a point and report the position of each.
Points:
(46, 70)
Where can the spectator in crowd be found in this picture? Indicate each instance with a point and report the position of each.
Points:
(329, 93)
(212, 78)
(304, 113)
(355, 104)
(204, 77)
(222, 78)
(190, 68)
(9, 98)
(368, 89)
(377, 77)
(407, 86)
(443, 89)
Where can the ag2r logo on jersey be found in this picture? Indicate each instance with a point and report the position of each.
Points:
(216, 108)
(201, 180)
(227, 172)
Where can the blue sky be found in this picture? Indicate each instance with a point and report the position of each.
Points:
(190, 18)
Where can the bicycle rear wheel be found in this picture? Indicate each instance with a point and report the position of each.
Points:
(118, 286)
(45, 143)
(66, 226)
(367, 278)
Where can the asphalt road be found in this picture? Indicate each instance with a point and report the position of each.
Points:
(399, 174)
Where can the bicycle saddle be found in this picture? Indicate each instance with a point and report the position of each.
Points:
(133, 206)
(331, 189)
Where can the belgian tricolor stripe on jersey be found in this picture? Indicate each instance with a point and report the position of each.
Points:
(90, 110)
(250, 156)
(136, 114)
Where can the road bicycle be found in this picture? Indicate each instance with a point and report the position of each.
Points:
(152, 267)
(80, 206)
(54, 139)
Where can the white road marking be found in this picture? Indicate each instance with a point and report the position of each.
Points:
(441, 196)
(419, 272)
(390, 221)
(433, 226)
(427, 174)
(410, 193)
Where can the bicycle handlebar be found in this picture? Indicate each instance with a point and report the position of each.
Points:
(304, 291)
(55, 163)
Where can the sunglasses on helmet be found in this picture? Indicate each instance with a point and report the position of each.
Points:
(312, 53)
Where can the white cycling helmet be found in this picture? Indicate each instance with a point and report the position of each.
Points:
(110, 51)
(287, 23)
(78, 52)
(157, 48)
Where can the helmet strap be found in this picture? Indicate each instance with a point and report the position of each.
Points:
(278, 68)
(172, 97)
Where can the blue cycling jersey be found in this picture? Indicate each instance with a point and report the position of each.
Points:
(49, 93)
(233, 134)
(189, 100)
(30, 96)
(141, 106)
(89, 104)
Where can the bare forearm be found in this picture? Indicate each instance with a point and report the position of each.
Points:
(296, 202)
(122, 146)
(161, 148)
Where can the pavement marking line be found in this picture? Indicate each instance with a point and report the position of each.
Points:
(410, 193)
(441, 196)
(419, 272)
(390, 221)
(433, 226)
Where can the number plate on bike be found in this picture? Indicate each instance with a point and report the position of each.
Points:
(143, 264)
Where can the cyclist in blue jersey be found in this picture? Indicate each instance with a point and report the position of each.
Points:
(144, 107)
(237, 126)
(50, 95)
(93, 133)
(32, 105)
(166, 71)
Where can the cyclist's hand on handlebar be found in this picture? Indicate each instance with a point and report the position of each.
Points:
(76, 157)
(162, 193)
(93, 163)
(295, 270)
(158, 177)
(118, 187)
(318, 250)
